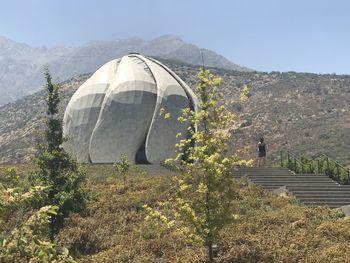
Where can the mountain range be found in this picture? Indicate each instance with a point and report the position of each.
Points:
(302, 112)
(21, 65)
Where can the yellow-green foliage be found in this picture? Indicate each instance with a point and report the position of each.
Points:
(202, 203)
(244, 93)
(23, 229)
(29, 242)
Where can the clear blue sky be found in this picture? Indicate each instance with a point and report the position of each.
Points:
(267, 35)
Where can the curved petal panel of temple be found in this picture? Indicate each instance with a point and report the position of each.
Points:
(118, 111)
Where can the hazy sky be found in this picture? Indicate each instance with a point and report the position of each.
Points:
(283, 35)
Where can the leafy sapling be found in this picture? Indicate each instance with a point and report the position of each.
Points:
(122, 166)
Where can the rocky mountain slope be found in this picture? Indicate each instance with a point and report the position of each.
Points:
(305, 113)
(21, 65)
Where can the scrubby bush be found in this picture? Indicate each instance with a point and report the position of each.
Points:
(29, 241)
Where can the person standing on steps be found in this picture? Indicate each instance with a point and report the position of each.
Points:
(262, 152)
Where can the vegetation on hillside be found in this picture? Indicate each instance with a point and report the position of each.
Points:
(33, 207)
(268, 228)
(40, 219)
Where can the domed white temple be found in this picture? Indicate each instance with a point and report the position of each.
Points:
(117, 111)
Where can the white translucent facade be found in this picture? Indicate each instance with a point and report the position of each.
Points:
(117, 111)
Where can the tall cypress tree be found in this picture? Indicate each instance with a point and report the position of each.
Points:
(58, 169)
(54, 134)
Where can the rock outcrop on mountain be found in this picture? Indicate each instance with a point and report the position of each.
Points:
(21, 66)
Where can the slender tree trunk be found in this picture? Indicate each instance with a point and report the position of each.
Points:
(52, 232)
(210, 253)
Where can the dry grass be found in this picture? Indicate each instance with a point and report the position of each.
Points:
(270, 228)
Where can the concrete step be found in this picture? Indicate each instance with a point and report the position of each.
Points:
(316, 188)
(310, 192)
(300, 186)
(263, 174)
(318, 196)
(262, 169)
(291, 179)
(336, 185)
(324, 199)
(278, 185)
(309, 189)
(288, 176)
(294, 184)
(283, 175)
(333, 204)
(252, 170)
(321, 192)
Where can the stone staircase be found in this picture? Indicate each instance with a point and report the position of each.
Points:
(309, 189)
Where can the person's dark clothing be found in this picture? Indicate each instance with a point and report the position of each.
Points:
(262, 149)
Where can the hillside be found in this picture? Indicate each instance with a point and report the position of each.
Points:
(268, 228)
(295, 233)
(21, 65)
(305, 113)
